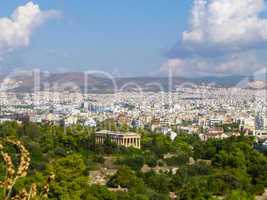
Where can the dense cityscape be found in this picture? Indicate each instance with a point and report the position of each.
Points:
(201, 110)
(133, 100)
(143, 135)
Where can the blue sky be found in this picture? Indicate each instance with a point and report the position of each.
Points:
(135, 38)
(125, 37)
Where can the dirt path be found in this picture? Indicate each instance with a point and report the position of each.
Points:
(263, 196)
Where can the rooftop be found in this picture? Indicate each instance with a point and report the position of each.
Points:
(117, 133)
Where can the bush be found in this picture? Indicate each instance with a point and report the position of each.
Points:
(181, 159)
(135, 162)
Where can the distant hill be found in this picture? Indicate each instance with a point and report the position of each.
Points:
(27, 82)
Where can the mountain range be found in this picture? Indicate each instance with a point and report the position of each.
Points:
(75, 81)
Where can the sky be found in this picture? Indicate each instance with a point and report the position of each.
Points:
(135, 38)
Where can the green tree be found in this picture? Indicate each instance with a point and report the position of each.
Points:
(71, 177)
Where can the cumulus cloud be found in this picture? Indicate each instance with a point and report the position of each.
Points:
(220, 35)
(244, 63)
(15, 31)
(228, 23)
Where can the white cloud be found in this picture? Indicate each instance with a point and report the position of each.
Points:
(239, 63)
(16, 30)
(227, 23)
(187, 67)
(223, 37)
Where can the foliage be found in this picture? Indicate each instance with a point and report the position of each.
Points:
(224, 168)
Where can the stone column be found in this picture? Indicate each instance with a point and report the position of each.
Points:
(124, 142)
(127, 142)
